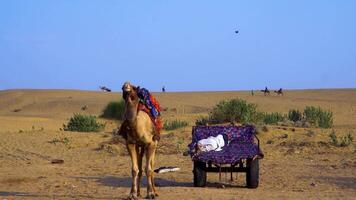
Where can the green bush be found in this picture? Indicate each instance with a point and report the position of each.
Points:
(344, 140)
(174, 125)
(235, 110)
(311, 114)
(83, 123)
(295, 115)
(273, 118)
(325, 119)
(114, 110)
(318, 117)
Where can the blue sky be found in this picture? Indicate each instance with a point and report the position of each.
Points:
(183, 45)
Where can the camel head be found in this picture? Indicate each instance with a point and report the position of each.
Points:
(129, 94)
(128, 90)
(127, 87)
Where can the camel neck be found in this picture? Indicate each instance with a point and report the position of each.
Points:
(131, 112)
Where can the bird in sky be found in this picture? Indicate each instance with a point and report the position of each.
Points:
(236, 31)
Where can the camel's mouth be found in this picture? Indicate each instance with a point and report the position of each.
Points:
(127, 89)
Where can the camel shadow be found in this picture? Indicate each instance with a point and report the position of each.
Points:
(26, 195)
(113, 181)
(17, 194)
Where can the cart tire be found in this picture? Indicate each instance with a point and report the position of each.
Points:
(199, 172)
(252, 174)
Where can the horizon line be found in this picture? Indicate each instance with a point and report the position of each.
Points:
(180, 91)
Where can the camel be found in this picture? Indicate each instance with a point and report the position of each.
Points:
(265, 91)
(105, 89)
(138, 131)
(279, 92)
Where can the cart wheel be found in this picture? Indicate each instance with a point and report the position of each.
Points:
(199, 174)
(252, 174)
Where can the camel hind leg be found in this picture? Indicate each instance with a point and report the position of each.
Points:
(152, 177)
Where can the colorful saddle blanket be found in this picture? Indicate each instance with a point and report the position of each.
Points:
(151, 106)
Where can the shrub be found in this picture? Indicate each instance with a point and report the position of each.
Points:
(114, 110)
(318, 117)
(311, 114)
(273, 118)
(294, 115)
(64, 140)
(235, 110)
(174, 125)
(325, 119)
(344, 140)
(83, 123)
(202, 121)
(333, 138)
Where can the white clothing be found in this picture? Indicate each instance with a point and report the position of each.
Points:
(211, 143)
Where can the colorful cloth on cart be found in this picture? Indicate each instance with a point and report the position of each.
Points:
(241, 144)
(151, 106)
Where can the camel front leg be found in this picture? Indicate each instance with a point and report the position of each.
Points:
(150, 154)
(131, 148)
(140, 151)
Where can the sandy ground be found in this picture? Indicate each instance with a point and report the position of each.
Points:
(297, 165)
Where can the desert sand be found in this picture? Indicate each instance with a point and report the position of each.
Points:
(299, 163)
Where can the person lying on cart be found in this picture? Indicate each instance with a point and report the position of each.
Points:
(216, 143)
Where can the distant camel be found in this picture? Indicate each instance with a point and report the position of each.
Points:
(138, 131)
(279, 92)
(105, 89)
(265, 91)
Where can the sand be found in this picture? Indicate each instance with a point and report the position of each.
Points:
(300, 165)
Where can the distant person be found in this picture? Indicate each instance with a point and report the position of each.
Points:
(265, 91)
(279, 92)
(163, 89)
(252, 93)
